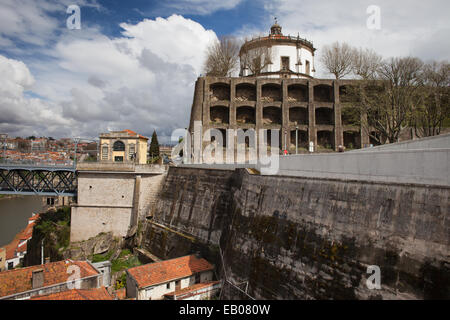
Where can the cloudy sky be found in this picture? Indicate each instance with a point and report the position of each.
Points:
(133, 64)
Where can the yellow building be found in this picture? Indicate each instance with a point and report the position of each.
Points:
(123, 146)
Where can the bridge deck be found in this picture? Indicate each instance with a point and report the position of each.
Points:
(23, 179)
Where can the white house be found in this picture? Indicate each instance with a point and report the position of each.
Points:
(188, 277)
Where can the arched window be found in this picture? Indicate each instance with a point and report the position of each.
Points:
(119, 146)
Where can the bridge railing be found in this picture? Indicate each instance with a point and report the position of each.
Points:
(122, 167)
(30, 163)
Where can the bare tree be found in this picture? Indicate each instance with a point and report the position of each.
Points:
(434, 107)
(387, 105)
(256, 59)
(337, 59)
(366, 63)
(222, 57)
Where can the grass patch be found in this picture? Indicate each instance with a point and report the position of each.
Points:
(121, 282)
(124, 263)
(102, 257)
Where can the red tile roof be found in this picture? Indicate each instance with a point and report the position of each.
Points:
(77, 294)
(132, 133)
(121, 294)
(23, 235)
(19, 280)
(163, 271)
(191, 289)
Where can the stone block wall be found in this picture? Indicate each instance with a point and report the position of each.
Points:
(306, 238)
(319, 97)
(113, 202)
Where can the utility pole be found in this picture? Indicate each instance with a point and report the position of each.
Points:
(285, 141)
(42, 251)
(296, 138)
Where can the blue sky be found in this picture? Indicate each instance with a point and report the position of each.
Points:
(133, 64)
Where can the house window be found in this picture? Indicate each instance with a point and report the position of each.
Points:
(197, 278)
(285, 63)
(118, 159)
(132, 150)
(307, 68)
(10, 265)
(105, 152)
(168, 285)
(148, 293)
(119, 146)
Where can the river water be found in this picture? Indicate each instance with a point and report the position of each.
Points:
(14, 214)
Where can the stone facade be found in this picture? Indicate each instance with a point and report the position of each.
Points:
(123, 146)
(113, 199)
(287, 56)
(307, 238)
(311, 106)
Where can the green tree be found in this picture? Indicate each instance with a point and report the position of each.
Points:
(154, 146)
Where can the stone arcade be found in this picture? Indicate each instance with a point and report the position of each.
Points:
(284, 95)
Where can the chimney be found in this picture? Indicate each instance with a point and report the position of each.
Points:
(37, 279)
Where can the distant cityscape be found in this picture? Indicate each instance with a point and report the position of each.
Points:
(50, 151)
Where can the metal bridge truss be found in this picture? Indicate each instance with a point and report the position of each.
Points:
(45, 181)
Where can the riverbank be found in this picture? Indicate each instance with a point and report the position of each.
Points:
(15, 211)
(7, 196)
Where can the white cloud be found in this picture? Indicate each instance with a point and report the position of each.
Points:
(19, 114)
(418, 28)
(200, 7)
(32, 22)
(142, 80)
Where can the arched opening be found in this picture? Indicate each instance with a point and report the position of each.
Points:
(271, 93)
(299, 115)
(325, 140)
(223, 132)
(220, 115)
(352, 140)
(267, 137)
(245, 114)
(297, 93)
(220, 92)
(376, 142)
(118, 146)
(272, 115)
(245, 92)
(324, 116)
(323, 93)
(302, 140)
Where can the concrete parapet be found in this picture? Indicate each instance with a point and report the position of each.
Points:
(427, 166)
(435, 142)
